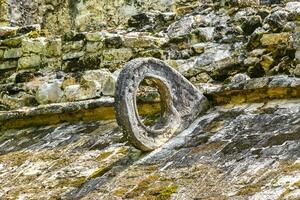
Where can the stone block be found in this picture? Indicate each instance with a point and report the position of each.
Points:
(12, 42)
(53, 48)
(136, 41)
(52, 63)
(33, 61)
(1, 54)
(49, 92)
(275, 38)
(33, 45)
(95, 37)
(72, 55)
(12, 53)
(6, 65)
(93, 47)
(123, 54)
(72, 46)
(297, 56)
(6, 32)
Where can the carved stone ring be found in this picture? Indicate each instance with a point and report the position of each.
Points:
(180, 103)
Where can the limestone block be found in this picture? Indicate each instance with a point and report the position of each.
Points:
(137, 41)
(7, 31)
(95, 36)
(72, 55)
(13, 53)
(122, 54)
(49, 92)
(93, 47)
(53, 48)
(12, 42)
(5, 65)
(33, 45)
(32, 61)
(274, 38)
(72, 46)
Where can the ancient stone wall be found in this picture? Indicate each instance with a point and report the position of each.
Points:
(60, 16)
(206, 43)
(57, 88)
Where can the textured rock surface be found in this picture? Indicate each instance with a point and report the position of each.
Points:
(227, 153)
(244, 57)
(205, 41)
(181, 102)
(61, 16)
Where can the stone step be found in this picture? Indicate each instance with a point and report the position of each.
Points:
(97, 109)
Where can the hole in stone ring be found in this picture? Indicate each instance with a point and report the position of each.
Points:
(154, 90)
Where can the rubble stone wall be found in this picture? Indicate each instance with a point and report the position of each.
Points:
(60, 16)
(210, 45)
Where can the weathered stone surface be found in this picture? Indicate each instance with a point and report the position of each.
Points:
(93, 47)
(53, 48)
(113, 41)
(275, 38)
(257, 52)
(72, 55)
(181, 27)
(97, 163)
(33, 46)
(1, 54)
(249, 151)
(88, 90)
(277, 20)
(12, 42)
(7, 32)
(136, 41)
(93, 84)
(297, 56)
(266, 62)
(95, 37)
(33, 61)
(8, 65)
(71, 93)
(181, 102)
(198, 48)
(50, 92)
(72, 46)
(251, 61)
(202, 34)
(122, 54)
(294, 7)
(52, 64)
(13, 53)
(249, 25)
(4, 13)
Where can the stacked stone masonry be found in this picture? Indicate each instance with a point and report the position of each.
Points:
(208, 42)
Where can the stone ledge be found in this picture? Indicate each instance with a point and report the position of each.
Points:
(256, 90)
(97, 109)
(253, 90)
